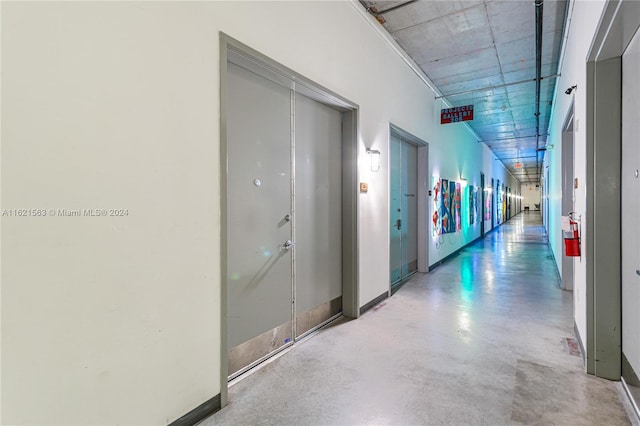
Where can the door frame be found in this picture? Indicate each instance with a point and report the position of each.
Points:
(423, 188)
(619, 21)
(232, 50)
(567, 174)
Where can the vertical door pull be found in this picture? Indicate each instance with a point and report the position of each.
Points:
(399, 223)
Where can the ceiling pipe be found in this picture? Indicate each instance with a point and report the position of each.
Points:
(510, 138)
(373, 10)
(539, 9)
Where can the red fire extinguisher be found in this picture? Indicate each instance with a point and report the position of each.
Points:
(572, 237)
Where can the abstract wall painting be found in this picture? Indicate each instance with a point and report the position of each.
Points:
(498, 204)
(447, 204)
(473, 204)
(470, 200)
(447, 207)
(436, 191)
(504, 204)
(487, 207)
(457, 207)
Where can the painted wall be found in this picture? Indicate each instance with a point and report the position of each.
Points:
(116, 319)
(584, 16)
(531, 195)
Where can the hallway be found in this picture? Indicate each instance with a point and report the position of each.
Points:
(482, 339)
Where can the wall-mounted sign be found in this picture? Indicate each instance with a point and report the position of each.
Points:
(456, 114)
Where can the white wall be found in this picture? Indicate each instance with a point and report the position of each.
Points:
(116, 320)
(531, 195)
(584, 16)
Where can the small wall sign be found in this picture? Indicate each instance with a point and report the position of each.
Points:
(456, 114)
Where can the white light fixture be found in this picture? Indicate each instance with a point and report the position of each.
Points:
(375, 159)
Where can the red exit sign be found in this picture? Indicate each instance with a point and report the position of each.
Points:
(456, 114)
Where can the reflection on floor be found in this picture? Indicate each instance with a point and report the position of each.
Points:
(484, 338)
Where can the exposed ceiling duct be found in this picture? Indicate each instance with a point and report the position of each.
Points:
(539, 8)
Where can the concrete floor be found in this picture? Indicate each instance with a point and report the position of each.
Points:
(482, 339)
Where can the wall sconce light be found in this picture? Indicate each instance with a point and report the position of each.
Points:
(375, 159)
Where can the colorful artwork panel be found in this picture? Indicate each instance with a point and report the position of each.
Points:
(447, 206)
(498, 204)
(504, 204)
(447, 217)
(487, 207)
(475, 205)
(437, 206)
(472, 216)
(458, 207)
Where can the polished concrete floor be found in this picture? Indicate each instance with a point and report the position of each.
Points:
(485, 338)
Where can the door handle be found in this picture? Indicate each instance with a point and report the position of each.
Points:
(288, 244)
(399, 224)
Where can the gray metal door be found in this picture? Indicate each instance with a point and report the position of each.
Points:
(317, 213)
(284, 216)
(631, 211)
(403, 209)
(259, 261)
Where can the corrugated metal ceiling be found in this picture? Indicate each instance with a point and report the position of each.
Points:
(484, 53)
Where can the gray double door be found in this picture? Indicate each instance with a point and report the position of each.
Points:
(283, 216)
(630, 196)
(403, 195)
